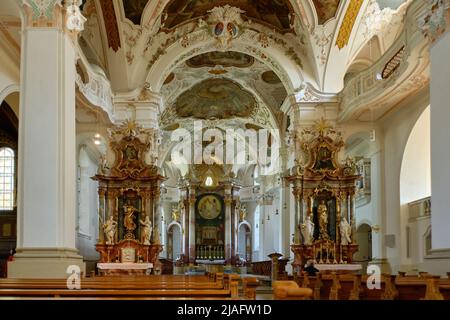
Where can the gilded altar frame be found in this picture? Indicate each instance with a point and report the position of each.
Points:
(130, 182)
(320, 177)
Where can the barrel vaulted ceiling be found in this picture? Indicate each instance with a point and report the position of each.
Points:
(284, 44)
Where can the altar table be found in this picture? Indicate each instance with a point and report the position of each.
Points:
(124, 268)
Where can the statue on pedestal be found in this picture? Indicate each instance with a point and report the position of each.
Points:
(242, 214)
(322, 212)
(346, 231)
(176, 212)
(128, 222)
(146, 231)
(110, 230)
(307, 229)
(103, 168)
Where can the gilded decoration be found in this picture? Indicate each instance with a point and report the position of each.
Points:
(272, 13)
(215, 99)
(348, 23)
(129, 195)
(130, 144)
(324, 190)
(326, 9)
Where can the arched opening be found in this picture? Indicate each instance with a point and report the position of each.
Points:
(363, 238)
(244, 242)
(415, 192)
(174, 242)
(9, 125)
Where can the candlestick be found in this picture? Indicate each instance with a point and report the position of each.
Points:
(334, 254)
(314, 254)
(320, 261)
(328, 256)
(341, 261)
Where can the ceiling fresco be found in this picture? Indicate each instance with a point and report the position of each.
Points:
(215, 99)
(134, 9)
(326, 9)
(225, 59)
(257, 78)
(270, 77)
(274, 13)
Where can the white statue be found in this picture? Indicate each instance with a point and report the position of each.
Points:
(307, 229)
(346, 232)
(146, 231)
(110, 230)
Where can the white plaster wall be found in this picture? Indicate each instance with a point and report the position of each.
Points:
(415, 176)
(397, 127)
(440, 137)
(87, 210)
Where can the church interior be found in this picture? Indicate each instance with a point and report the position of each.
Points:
(225, 149)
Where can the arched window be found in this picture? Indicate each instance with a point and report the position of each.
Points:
(7, 173)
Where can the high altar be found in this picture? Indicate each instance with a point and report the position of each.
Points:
(324, 192)
(129, 201)
(211, 216)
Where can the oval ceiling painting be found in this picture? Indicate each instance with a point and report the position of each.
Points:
(215, 99)
(217, 58)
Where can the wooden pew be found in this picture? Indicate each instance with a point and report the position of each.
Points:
(410, 287)
(249, 287)
(137, 287)
(289, 290)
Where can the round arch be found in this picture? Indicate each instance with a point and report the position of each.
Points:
(415, 173)
(244, 247)
(414, 183)
(174, 240)
(286, 69)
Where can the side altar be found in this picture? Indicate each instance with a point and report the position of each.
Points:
(324, 192)
(129, 195)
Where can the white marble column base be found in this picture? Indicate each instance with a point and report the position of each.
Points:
(44, 263)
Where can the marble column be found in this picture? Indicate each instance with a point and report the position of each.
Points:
(352, 215)
(298, 211)
(338, 219)
(46, 217)
(228, 202)
(101, 215)
(156, 236)
(184, 222)
(191, 228)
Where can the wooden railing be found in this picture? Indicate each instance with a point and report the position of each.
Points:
(333, 286)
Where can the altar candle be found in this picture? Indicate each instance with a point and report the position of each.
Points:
(320, 251)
